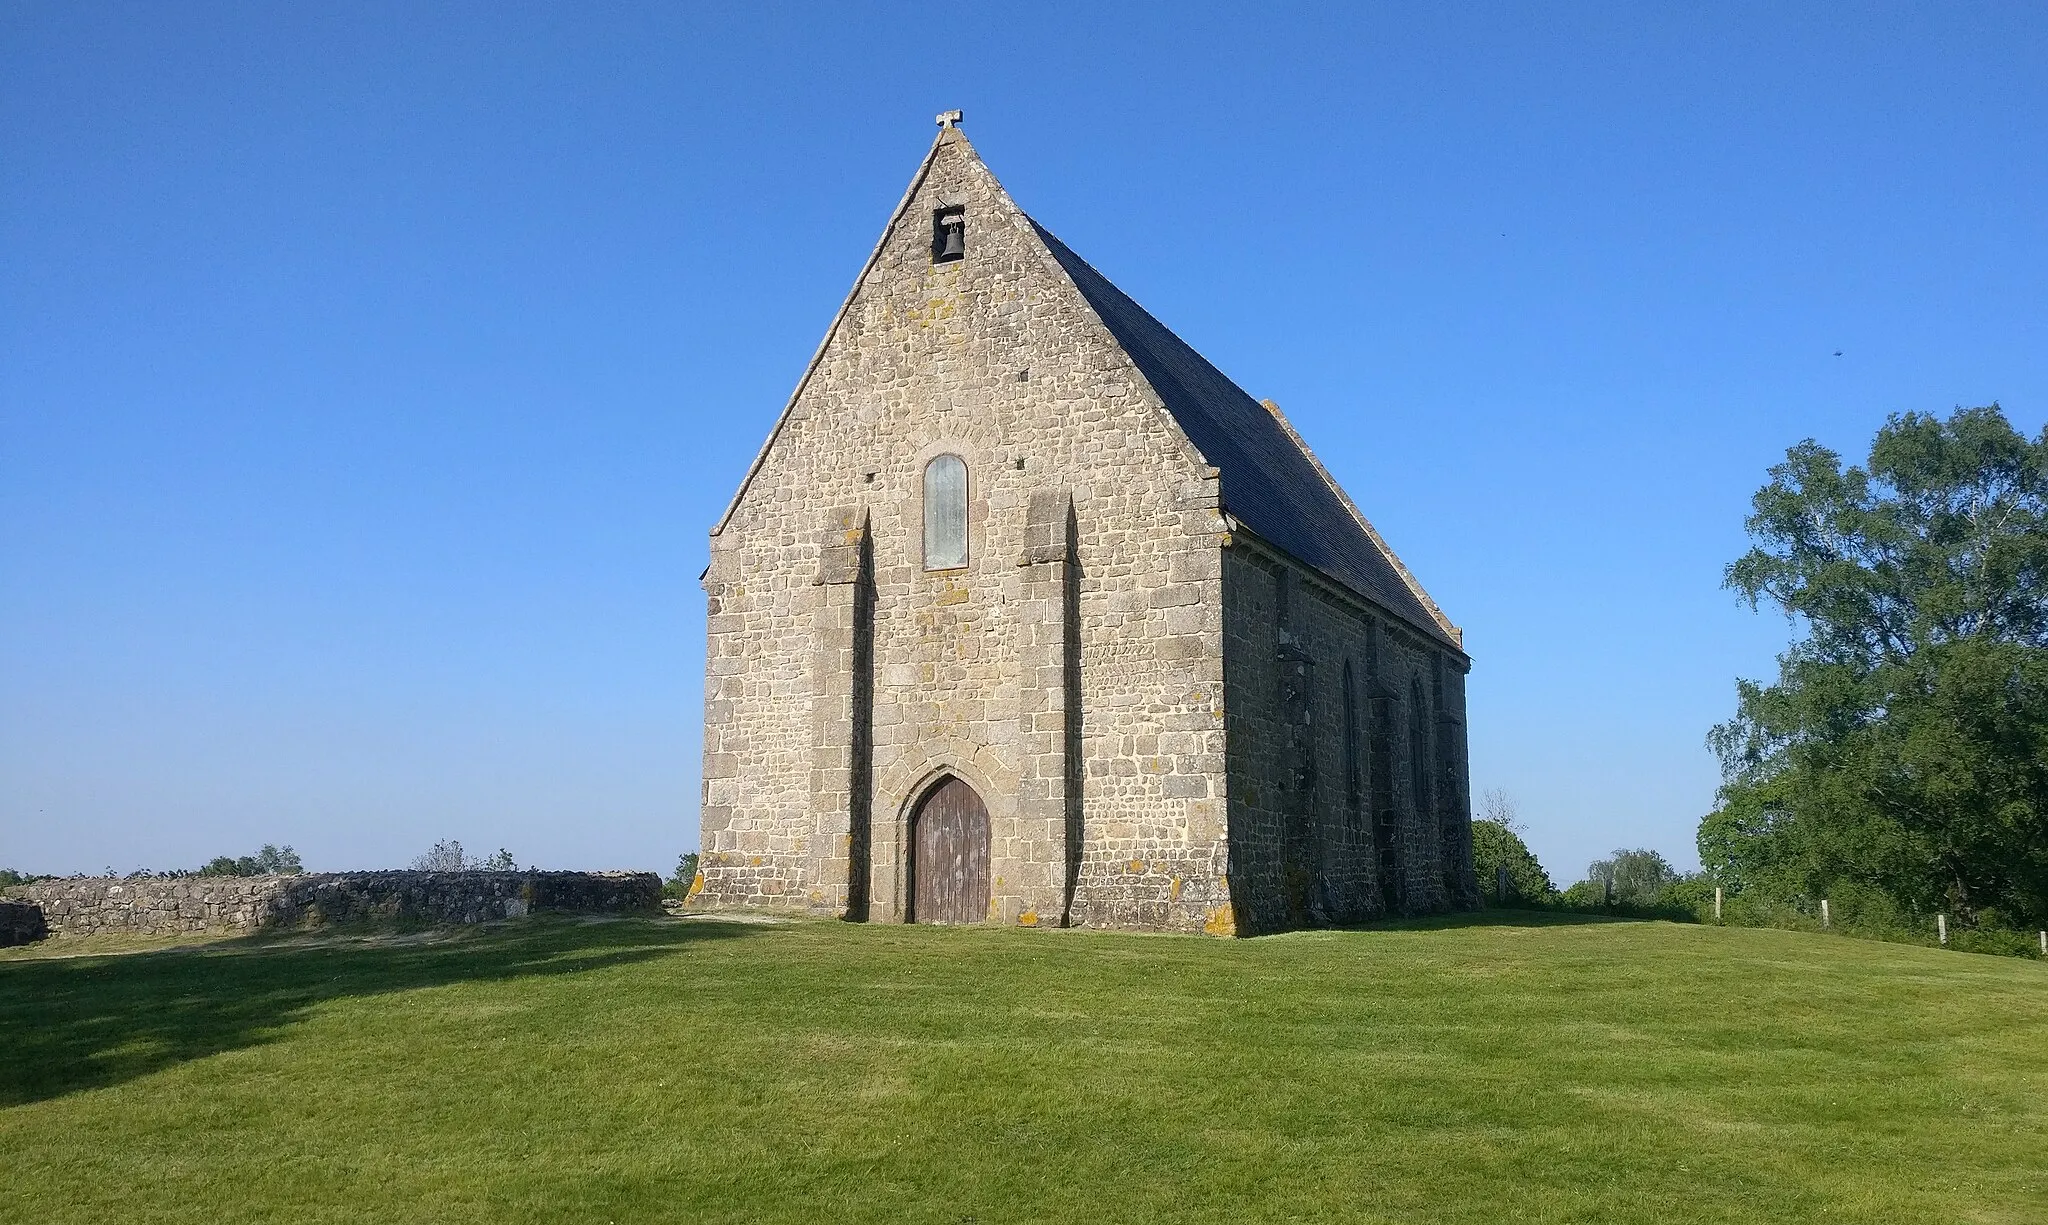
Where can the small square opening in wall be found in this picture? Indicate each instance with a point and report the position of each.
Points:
(949, 234)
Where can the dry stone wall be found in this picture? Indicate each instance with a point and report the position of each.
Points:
(21, 923)
(91, 906)
(85, 906)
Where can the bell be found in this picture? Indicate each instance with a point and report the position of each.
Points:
(954, 244)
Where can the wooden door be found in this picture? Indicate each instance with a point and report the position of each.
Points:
(950, 873)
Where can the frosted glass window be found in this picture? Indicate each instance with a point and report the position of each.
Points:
(945, 513)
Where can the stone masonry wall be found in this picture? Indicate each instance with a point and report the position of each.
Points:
(21, 923)
(1093, 562)
(85, 906)
(96, 905)
(1348, 783)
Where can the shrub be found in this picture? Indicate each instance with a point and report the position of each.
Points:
(444, 856)
(1868, 913)
(1495, 845)
(270, 861)
(678, 886)
(1690, 896)
(1586, 895)
(447, 856)
(1679, 899)
(1638, 876)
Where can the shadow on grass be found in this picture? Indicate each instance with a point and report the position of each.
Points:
(87, 1022)
(1493, 917)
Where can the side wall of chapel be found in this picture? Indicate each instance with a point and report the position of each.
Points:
(1071, 672)
(1349, 779)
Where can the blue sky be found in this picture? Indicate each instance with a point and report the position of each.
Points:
(371, 374)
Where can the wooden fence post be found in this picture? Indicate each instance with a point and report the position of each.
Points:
(1500, 883)
(1941, 928)
(1825, 922)
(1717, 903)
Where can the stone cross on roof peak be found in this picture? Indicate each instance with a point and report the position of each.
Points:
(947, 119)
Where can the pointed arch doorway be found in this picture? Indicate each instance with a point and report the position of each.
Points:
(949, 856)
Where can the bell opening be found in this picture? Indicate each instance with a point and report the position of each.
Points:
(949, 234)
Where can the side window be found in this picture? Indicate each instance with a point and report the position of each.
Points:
(1353, 788)
(1418, 750)
(945, 513)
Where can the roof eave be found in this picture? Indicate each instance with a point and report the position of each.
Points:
(1443, 623)
(1452, 638)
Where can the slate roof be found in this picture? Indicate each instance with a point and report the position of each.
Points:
(1270, 481)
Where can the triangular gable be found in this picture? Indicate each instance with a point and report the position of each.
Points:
(909, 193)
(1007, 211)
(1271, 481)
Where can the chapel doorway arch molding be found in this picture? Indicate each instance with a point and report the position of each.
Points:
(949, 857)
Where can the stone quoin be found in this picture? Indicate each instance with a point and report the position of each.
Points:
(1027, 614)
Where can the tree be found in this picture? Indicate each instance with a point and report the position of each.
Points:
(278, 861)
(447, 856)
(1903, 749)
(1497, 843)
(1497, 806)
(444, 856)
(270, 861)
(1637, 876)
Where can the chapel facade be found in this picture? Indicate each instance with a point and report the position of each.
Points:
(1026, 614)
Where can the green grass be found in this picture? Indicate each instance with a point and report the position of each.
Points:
(1517, 1068)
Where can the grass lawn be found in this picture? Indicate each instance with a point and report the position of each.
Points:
(685, 1070)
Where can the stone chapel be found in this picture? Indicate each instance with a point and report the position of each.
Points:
(1027, 614)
